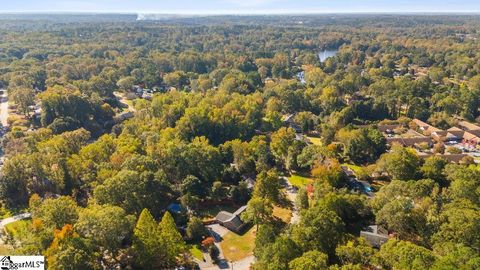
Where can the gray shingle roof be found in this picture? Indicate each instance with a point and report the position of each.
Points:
(224, 216)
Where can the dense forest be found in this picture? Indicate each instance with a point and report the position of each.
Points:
(113, 120)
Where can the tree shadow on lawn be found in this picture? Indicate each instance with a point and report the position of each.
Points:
(223, 264)
(215, 235)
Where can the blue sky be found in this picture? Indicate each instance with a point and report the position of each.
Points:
(240, 6)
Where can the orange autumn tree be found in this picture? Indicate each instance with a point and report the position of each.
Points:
(69, 249)
(329, 172)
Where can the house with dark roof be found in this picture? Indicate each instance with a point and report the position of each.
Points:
(231, 221)
(289, 121)
(250, 182)
(375, 235)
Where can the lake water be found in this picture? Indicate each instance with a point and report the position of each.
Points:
(326, 54)
(301, 77)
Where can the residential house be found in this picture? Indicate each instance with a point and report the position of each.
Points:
(454, 135)
(471, 133)
(429, 130)
(457, 135)
(408, 139)
(388, 129)
(250, 182)
(420, 124)
(231, 221)
(468, 126)
(470, 139)
(288, 120)
(375, 235)
(409, 142)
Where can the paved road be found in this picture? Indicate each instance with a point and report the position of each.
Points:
(121, 98)
(4, 108)
(217, 232)
(3, 119)
(9, 220)
(292, 196)
(244, 264)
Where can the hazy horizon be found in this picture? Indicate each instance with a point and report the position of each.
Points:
(240, 7)
(213, 13)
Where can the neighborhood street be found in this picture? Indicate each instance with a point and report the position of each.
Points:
(9, 220)
(4, 108)
(123, 101)
(3, 119)
(292, 196)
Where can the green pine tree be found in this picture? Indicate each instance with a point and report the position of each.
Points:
(175, 245)
(148, 246)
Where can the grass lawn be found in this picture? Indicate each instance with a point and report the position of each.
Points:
(19, 229)
(352, 167)
(284, 214)
(358, 170)
(196, 252)
(210, 212)
(377, 185)
(5, 213)
(299, 181)
(315, 140)
(236, 247)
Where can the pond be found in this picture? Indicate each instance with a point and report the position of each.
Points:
(323, 55)
(301, 77)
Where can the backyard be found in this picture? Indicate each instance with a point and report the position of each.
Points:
(209, 212)
(196, 252)
(19, 230)
(300, 180)
(283, 214)
(238, 246)
(315, 140)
